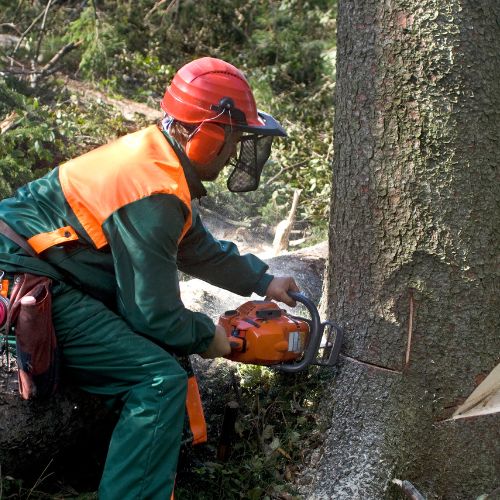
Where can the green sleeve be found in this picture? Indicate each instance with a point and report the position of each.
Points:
(220, 263)
(143, 240)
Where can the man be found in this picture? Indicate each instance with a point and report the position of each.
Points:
(112, 228)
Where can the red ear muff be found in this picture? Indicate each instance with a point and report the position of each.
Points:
(205, 143)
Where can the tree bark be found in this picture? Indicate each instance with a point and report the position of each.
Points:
(414, 238)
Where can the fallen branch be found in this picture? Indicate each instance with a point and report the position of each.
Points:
(10, 121)
(26, 31)
(46, 70)
(10, 25)
(158, 4)
(284, 169)
(11, 61)
(294, 243)
(42, 31)
(282, 235)
(62, 52)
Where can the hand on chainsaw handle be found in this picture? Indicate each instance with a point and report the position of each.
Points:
(278, 288)
(219, 345)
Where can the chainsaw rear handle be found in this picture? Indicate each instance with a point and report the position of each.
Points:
(315, 334)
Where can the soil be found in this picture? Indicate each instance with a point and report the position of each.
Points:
(127, 107)
(8, 374)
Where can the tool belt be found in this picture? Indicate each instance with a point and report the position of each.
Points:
(27, 312)
(28, 315)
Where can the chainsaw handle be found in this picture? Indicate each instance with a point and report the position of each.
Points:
(316, 331)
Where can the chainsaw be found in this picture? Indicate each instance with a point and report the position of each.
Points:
(261, 333)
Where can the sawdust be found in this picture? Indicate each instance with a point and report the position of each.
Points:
(8, 375)
(251, 238)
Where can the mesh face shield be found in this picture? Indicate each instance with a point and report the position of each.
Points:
(254, 151)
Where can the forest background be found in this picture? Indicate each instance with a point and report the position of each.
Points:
(132, 49)
(413, 279)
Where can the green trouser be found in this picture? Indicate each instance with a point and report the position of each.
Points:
(104, 356)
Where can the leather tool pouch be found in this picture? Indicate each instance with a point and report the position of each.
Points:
(30, 317)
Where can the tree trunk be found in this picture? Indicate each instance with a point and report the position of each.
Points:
(414, 242)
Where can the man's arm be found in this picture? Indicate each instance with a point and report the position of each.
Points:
(220, 263)
(143, 239)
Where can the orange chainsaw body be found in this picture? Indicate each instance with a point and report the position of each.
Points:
(261, 333)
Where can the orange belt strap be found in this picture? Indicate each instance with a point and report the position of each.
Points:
(195, 412)
(4, 288)
(42, 241)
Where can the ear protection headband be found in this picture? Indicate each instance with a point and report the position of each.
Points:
(207, 140)
(205, 143)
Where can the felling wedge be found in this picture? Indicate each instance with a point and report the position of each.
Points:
(484, 400)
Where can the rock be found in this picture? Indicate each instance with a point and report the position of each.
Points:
(8, 42)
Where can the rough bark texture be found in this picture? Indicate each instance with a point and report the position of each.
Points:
(414, 245)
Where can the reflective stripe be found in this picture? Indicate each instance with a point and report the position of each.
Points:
(42, 241)
(195, 412)
(133, 167)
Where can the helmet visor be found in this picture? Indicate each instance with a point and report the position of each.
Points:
(254, 151)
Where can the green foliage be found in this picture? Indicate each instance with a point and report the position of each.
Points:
(11, 487)
(277, 422)
(24, 146)
(100, 42)
(44, 135)
(292, 78)
(132, 49)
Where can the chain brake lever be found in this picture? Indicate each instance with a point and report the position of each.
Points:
(331, 350)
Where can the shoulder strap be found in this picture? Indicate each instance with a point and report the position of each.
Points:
(7, 231)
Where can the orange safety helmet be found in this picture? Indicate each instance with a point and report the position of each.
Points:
(211, 94)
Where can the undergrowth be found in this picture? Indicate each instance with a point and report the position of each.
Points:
(132, 49)
(277, 426)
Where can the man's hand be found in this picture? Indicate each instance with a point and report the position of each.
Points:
(278, 288)
(219, 346)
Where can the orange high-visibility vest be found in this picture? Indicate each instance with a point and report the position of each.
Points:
(102, 181)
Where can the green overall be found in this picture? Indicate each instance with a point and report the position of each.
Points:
(117, 309)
